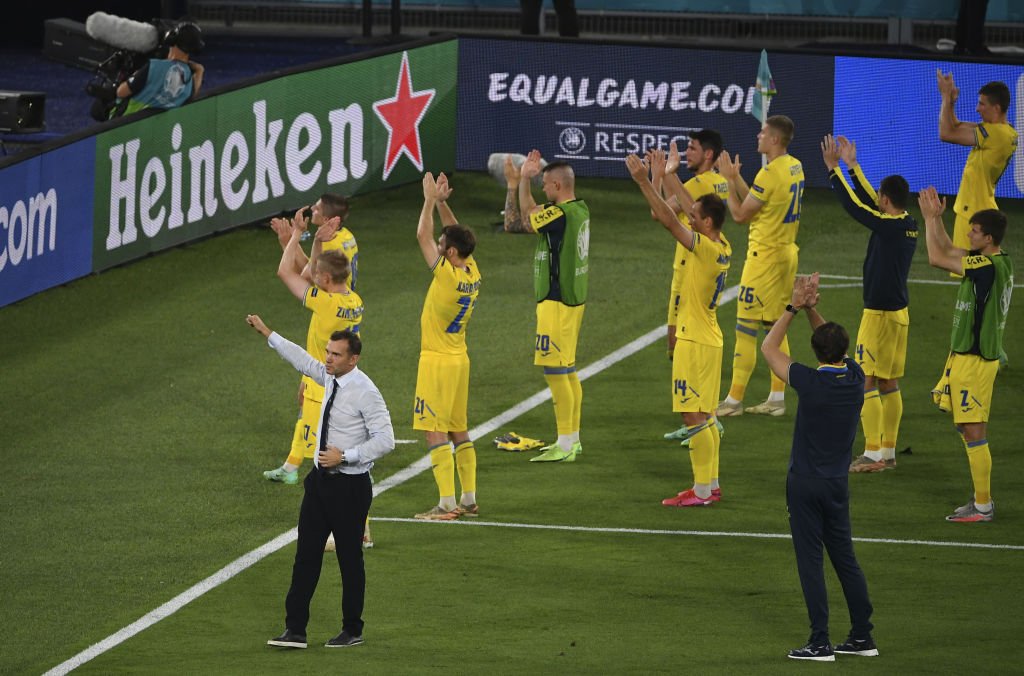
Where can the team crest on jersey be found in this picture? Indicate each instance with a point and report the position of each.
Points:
(583, 240)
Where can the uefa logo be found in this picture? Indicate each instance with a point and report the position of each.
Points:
(572, 140)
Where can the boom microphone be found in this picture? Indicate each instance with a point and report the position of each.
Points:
(122, 33)
(496, 166)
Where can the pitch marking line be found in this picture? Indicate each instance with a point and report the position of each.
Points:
(400, 477)
(699, 533)
(859, 281)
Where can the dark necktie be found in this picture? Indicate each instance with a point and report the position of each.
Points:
(327, 417)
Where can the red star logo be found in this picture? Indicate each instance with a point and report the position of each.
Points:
(401, 114)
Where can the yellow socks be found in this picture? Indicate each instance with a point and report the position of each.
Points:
(892, 413)
(718, 445)
(443, 465)
(562, 397)
(702, 453)
(871, 420)
(744, 357)
(980, 458)
(301, 446)
(577, 399)
(465, 463)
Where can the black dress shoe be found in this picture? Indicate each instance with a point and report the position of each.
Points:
(289, 639)
(344, 640)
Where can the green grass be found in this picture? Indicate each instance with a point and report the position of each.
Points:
(139, 411)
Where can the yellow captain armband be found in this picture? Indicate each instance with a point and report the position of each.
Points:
(977, 261)
(545, 216)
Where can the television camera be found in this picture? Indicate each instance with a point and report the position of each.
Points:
(136, 43)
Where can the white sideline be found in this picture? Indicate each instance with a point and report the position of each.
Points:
(400, 477)
(704, 533)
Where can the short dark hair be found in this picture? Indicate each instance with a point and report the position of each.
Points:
(709, 139)
(355, 346)
(784, 127)
(334, 205)
(830, 341)
(460, 237)
(712, 206)
(335, 264)
(897, 189)
(998, 93)
(992, 222)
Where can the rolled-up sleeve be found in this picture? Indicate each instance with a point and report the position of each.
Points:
(380, 432)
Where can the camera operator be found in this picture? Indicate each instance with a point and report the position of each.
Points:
(169, 82)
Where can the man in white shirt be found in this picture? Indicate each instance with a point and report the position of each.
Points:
(355, 429)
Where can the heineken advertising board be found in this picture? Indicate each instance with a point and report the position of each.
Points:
(244, 155)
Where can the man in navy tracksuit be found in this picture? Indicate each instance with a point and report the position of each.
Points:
(817, 491)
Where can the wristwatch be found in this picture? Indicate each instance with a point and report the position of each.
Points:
(790, 308)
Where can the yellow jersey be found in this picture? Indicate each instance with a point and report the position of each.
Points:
(702, 184)
(994, 145)
(345, 241)
(448, 307)
(331, 312)
(706, 271)
(780, 186)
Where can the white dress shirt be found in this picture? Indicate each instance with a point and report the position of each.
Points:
(359, 422)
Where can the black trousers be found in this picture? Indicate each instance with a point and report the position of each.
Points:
(333, 503)
(565, 10)
(819, 514)
(970, 27)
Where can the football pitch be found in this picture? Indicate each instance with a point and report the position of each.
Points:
(139, 411)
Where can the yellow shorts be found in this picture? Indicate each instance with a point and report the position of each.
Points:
(766, 285)
(696, 377)
(558, 329)
(881, 348)
(306, 430)
(966, 387)
(442, 393)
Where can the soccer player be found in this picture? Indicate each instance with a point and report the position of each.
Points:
(702, 152)
(560, 277)
(979, 318)
(697, 358)
(330, 205)
(334, 307)
(772, 207)
(442, 381)
(881, 349)
(992, 142)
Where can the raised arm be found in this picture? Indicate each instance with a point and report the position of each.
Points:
(530, 168)
(941, 252)
(805, 296)
(286, 270)
(425, 227)
(659, 207)
(742, 205)
(952, 130)
(677, 196)
(325, 233)
(442, 193)
(514, 221)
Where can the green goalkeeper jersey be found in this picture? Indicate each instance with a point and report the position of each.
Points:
(561, 263)
(982, 303)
